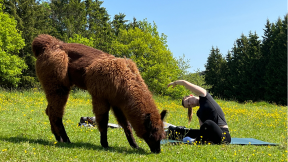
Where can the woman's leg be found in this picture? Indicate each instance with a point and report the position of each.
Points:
(210, 131)
(193, 133)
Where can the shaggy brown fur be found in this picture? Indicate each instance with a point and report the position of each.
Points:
(112, 82)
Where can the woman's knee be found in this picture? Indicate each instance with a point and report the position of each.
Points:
(209, 123)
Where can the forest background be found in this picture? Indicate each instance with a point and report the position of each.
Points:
(255, 69)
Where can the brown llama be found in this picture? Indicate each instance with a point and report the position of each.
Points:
(112, 82)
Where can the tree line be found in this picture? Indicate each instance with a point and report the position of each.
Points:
(254, 69)
(87, 22)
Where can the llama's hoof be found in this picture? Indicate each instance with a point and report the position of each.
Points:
(105, 145)
(65, 140)
(68, 141)
(135, 146)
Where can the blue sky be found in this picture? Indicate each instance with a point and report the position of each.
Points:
(193, 27)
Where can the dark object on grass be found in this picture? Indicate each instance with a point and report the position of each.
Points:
(91, 122)
(179, 132)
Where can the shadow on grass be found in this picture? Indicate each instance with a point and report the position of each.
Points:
(77, 145)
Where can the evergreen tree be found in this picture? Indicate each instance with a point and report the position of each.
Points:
(227, 74)
(244, 70)
(134, 24)
(262, 63)
(253, 72)
(68, 17)
(213, 73)
(276, 69)
(98, 26)
(238, 67)
(119, 22)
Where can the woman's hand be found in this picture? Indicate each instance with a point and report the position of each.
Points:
(177, 82)
(172, 83)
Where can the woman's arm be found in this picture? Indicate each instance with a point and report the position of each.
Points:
(192, 87)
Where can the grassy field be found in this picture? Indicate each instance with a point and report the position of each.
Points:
(25, 132)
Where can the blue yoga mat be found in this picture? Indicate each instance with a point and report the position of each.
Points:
(234, 141)
(250, 141)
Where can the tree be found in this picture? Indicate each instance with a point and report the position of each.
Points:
(134, 24)
(213, 72)
(68, 17)
(275, 44)
(82, 40)
(119, 22)
(197, 78)
(98, 26)
(11, 42)
(149, 51)
(183, 65)
(32, 19)
(1, 5)
(227, 74)
(252, 69)
(244, 69)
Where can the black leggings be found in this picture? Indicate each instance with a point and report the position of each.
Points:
(210, 132)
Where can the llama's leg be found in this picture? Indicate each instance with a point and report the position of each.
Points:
(101, 111)
(122, 120)
(55, 111)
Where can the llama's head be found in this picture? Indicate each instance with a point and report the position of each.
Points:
(154, 132)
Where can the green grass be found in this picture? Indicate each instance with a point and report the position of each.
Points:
(25, 132)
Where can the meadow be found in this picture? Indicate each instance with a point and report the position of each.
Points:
(25, 133)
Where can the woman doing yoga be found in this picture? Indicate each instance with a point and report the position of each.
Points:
(213, 125)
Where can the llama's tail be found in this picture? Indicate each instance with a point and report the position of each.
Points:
(43, 42)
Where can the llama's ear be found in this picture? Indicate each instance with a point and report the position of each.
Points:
(163, 114)
(147, 122)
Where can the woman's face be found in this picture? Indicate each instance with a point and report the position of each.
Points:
(190, 101)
